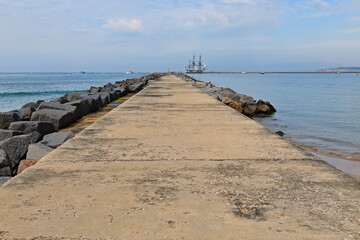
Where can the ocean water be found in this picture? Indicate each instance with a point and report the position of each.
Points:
(317, 110)
(17, 89)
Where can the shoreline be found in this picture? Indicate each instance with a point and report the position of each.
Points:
(345, 163)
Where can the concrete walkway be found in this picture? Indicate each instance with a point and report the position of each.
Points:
(174, 163)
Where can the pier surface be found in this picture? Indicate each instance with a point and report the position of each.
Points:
(174, 163)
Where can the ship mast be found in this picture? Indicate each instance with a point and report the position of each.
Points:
(200, 63)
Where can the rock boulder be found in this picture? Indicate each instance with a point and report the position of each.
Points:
(24, 164)
(16, 147)
(5, 165)
(56, 139)
(59, 118)
(37, 150)
(5, 134)
(31, 126)
(8, 117)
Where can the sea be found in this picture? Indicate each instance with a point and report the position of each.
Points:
(318, 111)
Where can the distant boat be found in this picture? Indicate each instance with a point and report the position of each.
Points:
(129, 72)
(243, 72)
(82, 72)
(356, 74)
(196, 66)
(262, 73)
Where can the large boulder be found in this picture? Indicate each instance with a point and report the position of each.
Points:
(26, 110)
(136, 87)
(24, 164)
(16, 147)
(5, 164)
(69, 108)
(56, 139)
(36, 151)
(8, 117)
(59, 118)
(72, 96)
(105, 98)
(95, 89)
(82, 107)
(121, 90)
(107, 89)
(5, 134)
(110, 85)
(94, 102)
(31, 126)
(60, 100)
(250, 109)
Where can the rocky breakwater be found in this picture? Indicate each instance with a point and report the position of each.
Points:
(29, 133)
(240, 102)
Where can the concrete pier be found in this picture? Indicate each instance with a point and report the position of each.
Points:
(174, 163)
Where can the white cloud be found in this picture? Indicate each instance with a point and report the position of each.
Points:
(318, 4)
(133, 25)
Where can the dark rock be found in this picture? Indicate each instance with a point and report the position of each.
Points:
(272, 108)
(39, 102)
(134, 88)
(107, 89)
(280, 133)
(60, 100)
(105, 98)
(122, 90)
(59, 118)
(261, 107)
(31, 126)
(95, 89)
(94, 102)
(3, 180)
(249, 109)
(58, 106)
(82, 107)
(66, 107)
(24, 164)
(247, 99)
(36, 151)
(31, 105)
(110, 85)
(75, 96)
(16, 147)
(25, 113)
(114, 95)
(56, 139)
(5, 134)
(5, 165)
(8, 117)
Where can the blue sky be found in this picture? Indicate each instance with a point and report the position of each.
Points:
(157, 35)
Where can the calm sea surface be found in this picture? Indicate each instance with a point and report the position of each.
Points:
(17, 89)
(321, 110)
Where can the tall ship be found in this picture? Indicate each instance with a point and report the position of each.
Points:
(196, 66)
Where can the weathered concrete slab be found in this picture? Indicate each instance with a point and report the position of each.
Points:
(174, 163)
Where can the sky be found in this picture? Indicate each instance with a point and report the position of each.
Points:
(161, 35)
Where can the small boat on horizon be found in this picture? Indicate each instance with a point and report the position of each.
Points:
(129, 72)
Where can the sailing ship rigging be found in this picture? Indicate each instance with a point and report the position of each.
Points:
(196, 66)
